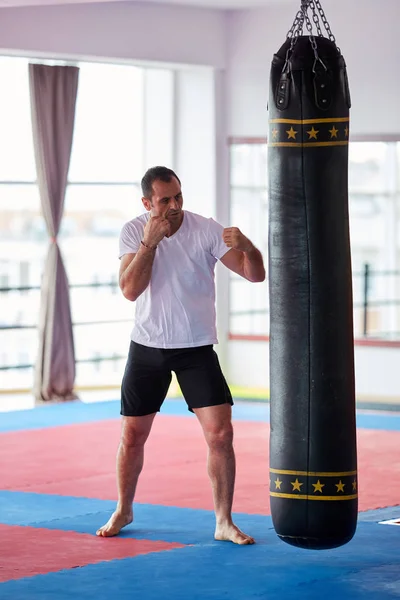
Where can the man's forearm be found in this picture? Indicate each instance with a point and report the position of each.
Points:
(253, 265)
(136, 277)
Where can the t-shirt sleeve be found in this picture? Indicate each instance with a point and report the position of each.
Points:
(129, 240)
(217, 245)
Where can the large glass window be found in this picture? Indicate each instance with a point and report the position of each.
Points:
(108, 137)
(374, 207)
(22, 232)
(115, 105)
(108, 159)
(249, 211)
(16, 145)
(93, 217)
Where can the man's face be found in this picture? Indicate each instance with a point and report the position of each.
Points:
(166, 201)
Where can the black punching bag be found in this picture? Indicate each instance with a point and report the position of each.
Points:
(313, 460)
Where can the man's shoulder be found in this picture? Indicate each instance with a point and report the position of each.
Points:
(136, 222)
(198, 220)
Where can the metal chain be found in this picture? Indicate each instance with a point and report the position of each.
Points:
(325, 21)
(293, 34)
(296, 29)
(298, 24)
(296, 21)
(316, 19)
(313, 43)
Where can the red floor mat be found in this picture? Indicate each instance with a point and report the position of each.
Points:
(32, 551)
(79, 460)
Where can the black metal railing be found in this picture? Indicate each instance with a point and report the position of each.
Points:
(362, 281)
(113, 285)
(362, 285)
(367, 275)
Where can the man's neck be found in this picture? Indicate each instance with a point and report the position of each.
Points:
(174, 228)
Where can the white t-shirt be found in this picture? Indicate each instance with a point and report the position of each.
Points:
(177, 309)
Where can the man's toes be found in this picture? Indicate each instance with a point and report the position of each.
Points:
(104, 532)
(246, 540)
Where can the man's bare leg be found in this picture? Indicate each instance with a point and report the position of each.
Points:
(135, 431)
(216, 422)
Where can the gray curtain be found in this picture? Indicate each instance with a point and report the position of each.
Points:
(53, 91)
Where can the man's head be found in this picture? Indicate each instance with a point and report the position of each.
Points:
(162, 194)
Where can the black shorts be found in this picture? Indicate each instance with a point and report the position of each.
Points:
(148, 375)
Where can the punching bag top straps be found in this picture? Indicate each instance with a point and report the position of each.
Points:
(303, 58)
(323, 92)
(283, 89)
(327, 56)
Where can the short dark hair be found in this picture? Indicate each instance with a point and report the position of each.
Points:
(154, 174)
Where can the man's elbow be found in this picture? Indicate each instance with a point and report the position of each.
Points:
(258, 278)
(129, 294)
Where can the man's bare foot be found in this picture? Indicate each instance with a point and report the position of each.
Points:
(228, 532)
(115, 524)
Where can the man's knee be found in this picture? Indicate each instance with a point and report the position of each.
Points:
(220, 438)
(135, 431)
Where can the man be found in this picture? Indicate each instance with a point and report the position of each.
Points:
(167, 267)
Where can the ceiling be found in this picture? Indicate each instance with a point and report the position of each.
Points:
(219, 4)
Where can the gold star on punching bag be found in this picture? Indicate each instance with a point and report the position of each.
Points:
(296, 485)
(334, 132)
(312, 133)
(278, 483)
(274, 134)
(354, 484)
(291, 133)
(346, 132)
(318, 486)
(340, 486)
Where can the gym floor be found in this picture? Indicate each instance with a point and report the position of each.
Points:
(57, 480)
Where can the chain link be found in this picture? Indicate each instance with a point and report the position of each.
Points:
(313, 43)
(326, 24)
(296, 22)
(316, 19)
(296, 29)
(293, 34)
(325, 21)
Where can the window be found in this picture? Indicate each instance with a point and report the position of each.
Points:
(374, 221)
(22, 231)
(93, 218)
(16, 146)
(249, 211)
(108, 136)
(116, 108)
(374, 207)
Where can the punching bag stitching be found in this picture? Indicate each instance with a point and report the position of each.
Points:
(309, 295)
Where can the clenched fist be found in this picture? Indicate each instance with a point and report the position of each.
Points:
(234, 238)
(156, 229)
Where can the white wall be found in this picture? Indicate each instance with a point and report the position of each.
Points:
(367, 33)
(121, 31)
(376, 369)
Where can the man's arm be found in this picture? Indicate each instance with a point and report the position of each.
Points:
(135, 272)
(135, 269)
(243, 258)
